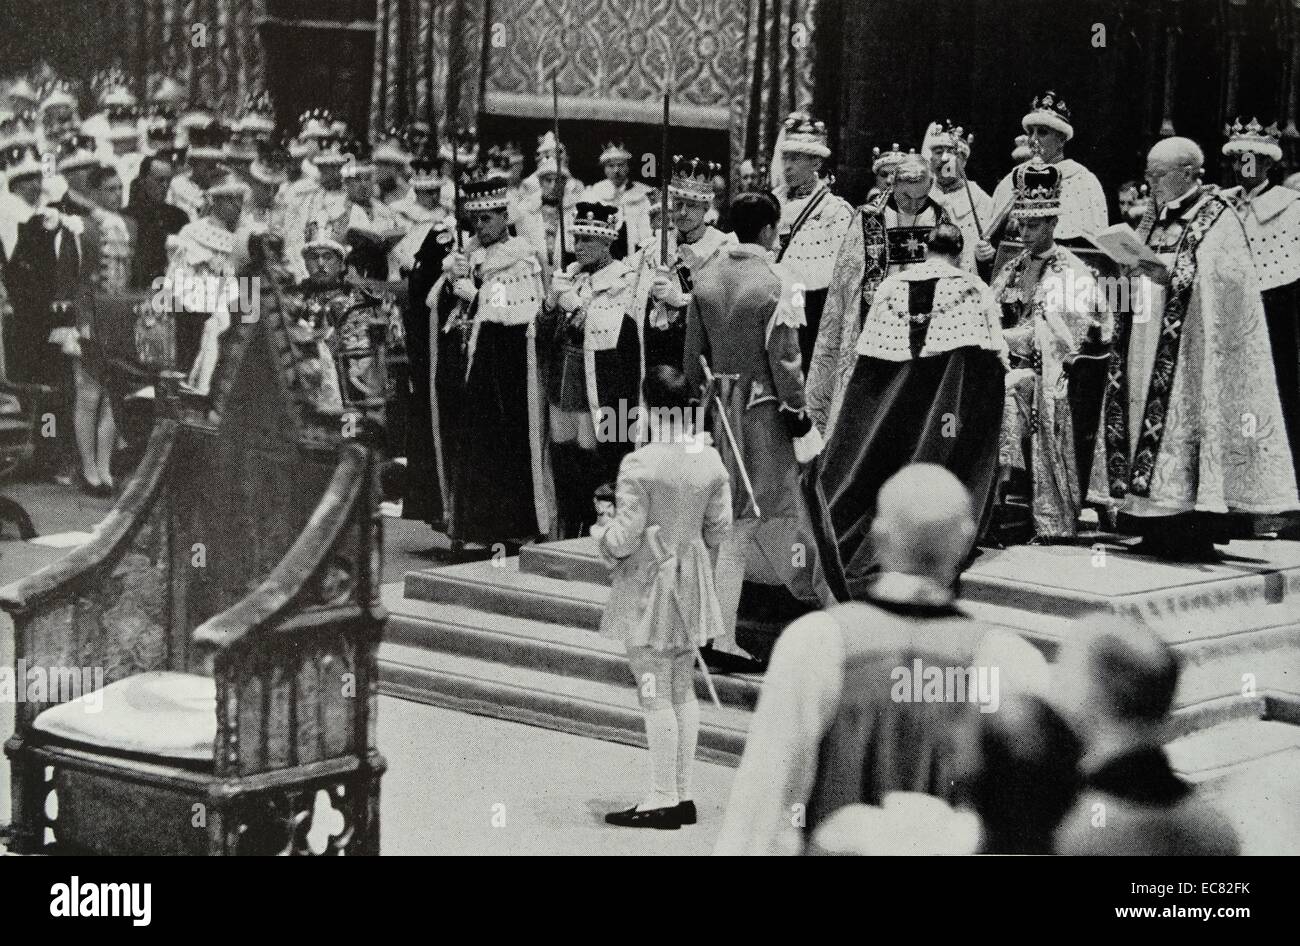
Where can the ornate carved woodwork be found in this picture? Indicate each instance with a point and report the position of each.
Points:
(246, 548)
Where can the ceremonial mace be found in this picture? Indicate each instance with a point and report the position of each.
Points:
(731, 438)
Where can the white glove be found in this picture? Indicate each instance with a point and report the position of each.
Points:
(664, 288)
(455, 265)
(50, 218)
(465, 289)
(808, 446)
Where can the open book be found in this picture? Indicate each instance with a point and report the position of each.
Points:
(1123, 245)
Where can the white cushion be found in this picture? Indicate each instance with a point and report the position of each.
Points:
(164, 714)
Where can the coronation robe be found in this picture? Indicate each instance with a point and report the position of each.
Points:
(1271, 215)
(927, 388)
(663, 328)
(1192, 422)
(745, 319)
(1083, 202)
(500, 483)
(202, 288)
(809, 232)
(1055, 314)
(429, 418)
(593, 358)
(880, 242)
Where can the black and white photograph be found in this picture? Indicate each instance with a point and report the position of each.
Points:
(651, 428)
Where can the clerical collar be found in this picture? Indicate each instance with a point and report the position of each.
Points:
(1176, 205)
(899, 588)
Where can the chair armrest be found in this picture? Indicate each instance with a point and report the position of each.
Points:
(36, 590)
(266, 604)
(25, 388)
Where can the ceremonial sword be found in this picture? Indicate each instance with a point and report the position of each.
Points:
(731, 438)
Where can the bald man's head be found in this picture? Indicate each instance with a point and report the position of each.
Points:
(1173, 167)
(1115, 672)
(1177, 150)
(924, 523)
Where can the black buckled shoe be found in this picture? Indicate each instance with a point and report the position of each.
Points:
(686, 812)
(661, 819)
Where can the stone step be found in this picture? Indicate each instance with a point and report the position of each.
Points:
(568, 560)
(499, 587)
(521, 642)
(538, 697)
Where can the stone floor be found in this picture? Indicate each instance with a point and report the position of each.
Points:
(462, 784)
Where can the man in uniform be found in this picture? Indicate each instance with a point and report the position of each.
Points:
(632, 198)
(744, 319)
(1194, 444)
(664, 292)
(886, 236)
(1271, 215)
(813, 221)
(501, 490)
(967, 205)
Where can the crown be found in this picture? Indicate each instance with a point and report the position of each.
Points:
(390, 146)
(23, 90)
(1038, 190)
(888, 160)
(1049, 110)
(947, 135)
(76, 151)
(486, 193)
(331, 151)
(592, 218)
(315, 123)
(16, 130)
(55, 93)
(21, 160)
(258, 119)
(207, 140)
(112, 92)
(424, 172)
(614, 151)
(803, 135)
(322, 234)
(1253, 138)
(693, 179)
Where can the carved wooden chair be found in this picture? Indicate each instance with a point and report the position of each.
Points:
(231, 602)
